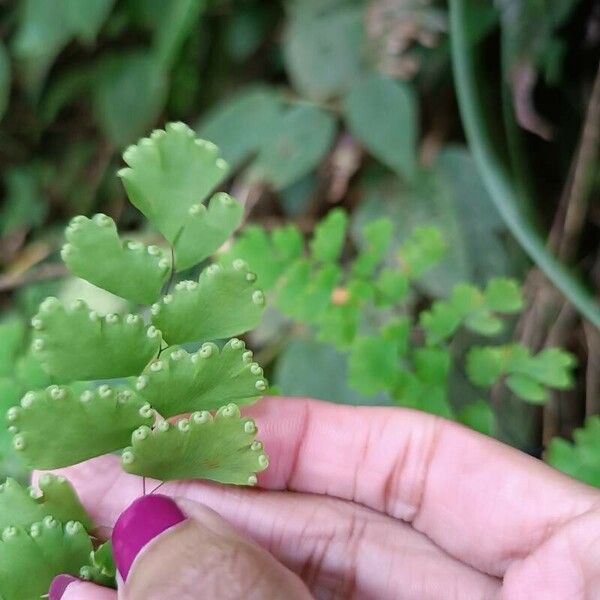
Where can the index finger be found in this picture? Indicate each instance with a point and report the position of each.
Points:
(482, 501)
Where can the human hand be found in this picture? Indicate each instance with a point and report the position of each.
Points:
(363, 502)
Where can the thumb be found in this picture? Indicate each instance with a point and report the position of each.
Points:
(187, 551)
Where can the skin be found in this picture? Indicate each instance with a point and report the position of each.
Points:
(377, 503)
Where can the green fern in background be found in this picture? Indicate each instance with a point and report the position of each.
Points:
(365, 311)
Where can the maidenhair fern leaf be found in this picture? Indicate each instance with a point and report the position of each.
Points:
(128, 269)
(170, 172)
(580, 459)
(526, 375)
(269, 254)
(180, 383)
(22, 507)
(224, 302)
(221, 448)
(421, 251)
(77, 344)
(328, 238)
(206, 229)
(473, 308)
(31, 558)
(377, 238)
(101, 568)
(58, 426)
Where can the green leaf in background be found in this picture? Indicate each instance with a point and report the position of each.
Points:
(45, 28)
(177, 20)
(5, 79)
(57, 498)
(207, 229)
(268, 254)
(480, 229)
(77, 344)
(527, 388)
(129, 94)
(329, 236)
(241, 126)
(220, 448)
(296, 375)
(305, 293)
(477, 415)
(323, 47)
(169, 173)
(473, 308)
(373, 364)
(527, 375)
(62, 425)
(377, 239)
(128, 269)
(12, 341)
(31, 558)
(180, 383)
(580, 459)
(383, 115)
(24, 204)
(224, 302)
(295, 146)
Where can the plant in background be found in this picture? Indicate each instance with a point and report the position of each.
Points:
(366, 311)
(118, 380)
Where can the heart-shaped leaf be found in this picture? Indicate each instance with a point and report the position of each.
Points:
(128, 269)
(180, 382)
(59, 426)
(168, 173)
(77, 344)
(220, 448)
(224, 302)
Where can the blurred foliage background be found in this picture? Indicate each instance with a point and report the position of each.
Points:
(479, 117)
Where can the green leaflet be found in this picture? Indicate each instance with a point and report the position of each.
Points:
(580, 459)
(22, 507)
(207, 229)
(220, 448)
(473, 308)
(101, 568)
(128, 269)
(58, 426)
(377, 239)
(421, 251)
(223, 303)
(180, 383)
(526, 375)
(329, 235)
(268, 254)
(31, 558)
(77, 344)
(169, 173)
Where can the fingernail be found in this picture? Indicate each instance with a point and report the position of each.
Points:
(140, 523)
(59, 585)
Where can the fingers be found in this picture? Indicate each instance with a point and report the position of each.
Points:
(482, 501)
(202, 556)
(80, 590)
(337, 547)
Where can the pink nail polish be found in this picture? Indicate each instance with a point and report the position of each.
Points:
(140, 523)
(59, 585)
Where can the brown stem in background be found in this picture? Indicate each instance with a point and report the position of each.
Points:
(581, 185)
(12, 281)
